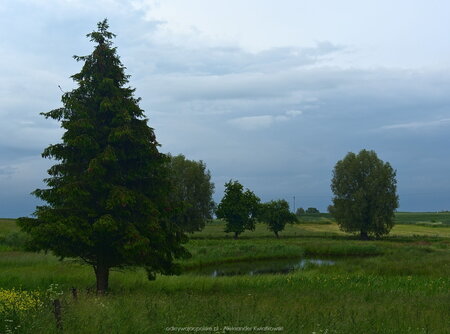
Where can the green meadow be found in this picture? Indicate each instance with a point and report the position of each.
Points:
(399, 284)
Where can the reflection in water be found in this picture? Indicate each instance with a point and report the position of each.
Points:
(281, 266)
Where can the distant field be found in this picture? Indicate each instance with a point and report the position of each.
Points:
(433, 219)
(426, 218)
(319, 218)
(399, 230)
(7, 225)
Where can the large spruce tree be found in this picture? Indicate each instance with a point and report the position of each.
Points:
(107, 200)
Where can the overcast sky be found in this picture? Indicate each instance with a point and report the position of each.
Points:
(271, 93)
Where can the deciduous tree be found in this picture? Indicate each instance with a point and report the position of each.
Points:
(300, 211)
(192, 190)
(365, 196)
(238, 208)
(276, 214)
(311, 211)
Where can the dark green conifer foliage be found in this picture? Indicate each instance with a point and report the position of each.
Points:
(239, 208)
(107, 200)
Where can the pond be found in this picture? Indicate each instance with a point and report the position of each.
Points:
(279, 266)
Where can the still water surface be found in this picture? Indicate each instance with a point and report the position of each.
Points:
(280, 266)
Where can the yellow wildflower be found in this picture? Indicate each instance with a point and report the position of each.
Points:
(19, 301)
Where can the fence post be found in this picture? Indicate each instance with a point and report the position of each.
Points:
(57, 313)
(74, 293)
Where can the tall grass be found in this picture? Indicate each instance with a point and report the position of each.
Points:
(395, 285)
(300, 303)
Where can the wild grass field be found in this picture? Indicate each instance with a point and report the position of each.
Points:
(400, 284)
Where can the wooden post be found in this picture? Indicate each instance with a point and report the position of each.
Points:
(74, 293)
(57, 313)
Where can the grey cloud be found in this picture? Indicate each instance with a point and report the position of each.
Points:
(417, 125)
(245, 86)
(28, 137)
(252, 122)
(7, 171)
(263, 121)
(169, 59)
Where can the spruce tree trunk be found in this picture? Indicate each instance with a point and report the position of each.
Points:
(276, 234)
(364, 235)
(236, 235)
(102, 276)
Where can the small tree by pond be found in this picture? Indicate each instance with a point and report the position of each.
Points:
(238, 208)
(276, 215)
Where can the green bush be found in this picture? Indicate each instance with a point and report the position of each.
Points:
(13, 241)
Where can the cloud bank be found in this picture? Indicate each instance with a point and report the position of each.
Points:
(276, 116)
